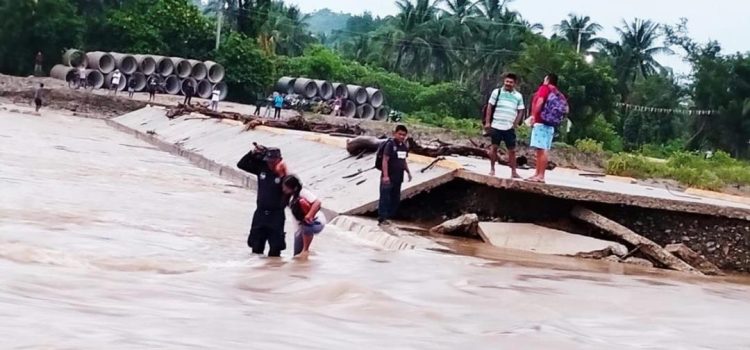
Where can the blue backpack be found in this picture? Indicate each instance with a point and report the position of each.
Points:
(555, 108)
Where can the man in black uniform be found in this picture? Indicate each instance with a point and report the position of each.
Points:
(268, 220)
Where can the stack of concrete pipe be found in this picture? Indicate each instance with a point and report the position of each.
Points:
(174, 73)
(359, 102)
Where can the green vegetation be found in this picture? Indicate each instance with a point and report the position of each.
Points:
(437, 61)
(688, 168)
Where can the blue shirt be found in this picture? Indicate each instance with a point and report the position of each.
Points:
(278, 101)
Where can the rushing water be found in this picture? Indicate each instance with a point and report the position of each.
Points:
(106, 243)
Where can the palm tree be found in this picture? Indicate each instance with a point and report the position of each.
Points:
(460, 9)
(575, 27)
(285, 31)
(411, 34)
(638, 48)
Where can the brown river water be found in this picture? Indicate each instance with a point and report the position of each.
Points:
(108, 243)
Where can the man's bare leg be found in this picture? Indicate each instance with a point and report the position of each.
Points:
(493, 158)
(512, 163)
(541, 166)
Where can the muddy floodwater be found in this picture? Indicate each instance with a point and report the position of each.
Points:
(108, 243)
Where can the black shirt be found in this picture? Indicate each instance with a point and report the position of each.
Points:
(270, 194)
(397, 153)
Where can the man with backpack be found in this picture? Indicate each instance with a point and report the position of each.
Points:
(548, 109)
(504, 112)
(391, 161)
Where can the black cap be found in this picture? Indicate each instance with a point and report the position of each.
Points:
(272, 153)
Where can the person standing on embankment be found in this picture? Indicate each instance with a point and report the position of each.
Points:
(38, 61)
(503, 113)
(391, 160)
(268, 220)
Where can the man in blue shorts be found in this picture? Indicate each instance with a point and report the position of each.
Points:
(542, 134)
(504, 112)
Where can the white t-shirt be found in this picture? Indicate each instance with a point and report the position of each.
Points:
(507, 104)
(215, 95)
(82, 74)
(116, 78)
(312, 198)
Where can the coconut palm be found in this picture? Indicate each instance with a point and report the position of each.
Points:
(409, 39)
(638, 48)
(575, 27)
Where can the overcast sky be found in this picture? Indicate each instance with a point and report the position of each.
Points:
(723, 20)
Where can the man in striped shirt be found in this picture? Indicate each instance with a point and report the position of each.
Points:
(504, 111)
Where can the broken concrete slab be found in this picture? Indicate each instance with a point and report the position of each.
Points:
(465, 225)
(693, 259)
(542, 240)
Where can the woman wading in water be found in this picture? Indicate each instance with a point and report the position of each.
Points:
(306, 210)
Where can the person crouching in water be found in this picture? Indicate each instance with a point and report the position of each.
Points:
(269, 217)
(305, 208)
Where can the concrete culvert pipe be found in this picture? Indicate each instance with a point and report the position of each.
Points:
(374, 97)
(198, 70)
(357, 94)
(215, 72)
(140, 80)
(94, 79)
(108, 82)
(127, 64)
(164, 66)
(146, 64)
(74, 58)
(63, 72)
(339, 90)
(365, 111)
(182, 67)
(101, 61)
(223, 90)
(325, 89)
(204, 89)
(184, 83)
(348, 109)
(305, 88)
(381, 113)
(285, 85)
(172, 85)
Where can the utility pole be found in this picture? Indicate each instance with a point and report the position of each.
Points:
(220, 18)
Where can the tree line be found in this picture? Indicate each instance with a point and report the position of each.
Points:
(434, 59)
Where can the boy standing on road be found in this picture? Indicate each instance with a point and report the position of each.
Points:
(394, 153)
(503, 113)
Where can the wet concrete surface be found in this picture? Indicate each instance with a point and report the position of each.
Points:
(107, 243)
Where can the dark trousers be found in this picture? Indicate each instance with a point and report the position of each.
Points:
(257, 109)
(268, 226)
(277, 113)
(187, 99)
(390, 197)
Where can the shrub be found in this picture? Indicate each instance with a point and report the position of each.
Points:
(249, 70)
(589, 146)
(625, 164)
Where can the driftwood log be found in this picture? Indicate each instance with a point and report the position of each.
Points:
(356, 146)
(295, 123)
(466, 225)
(647, 247)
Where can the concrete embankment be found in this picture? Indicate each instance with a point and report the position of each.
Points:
(717, 228)
(320, 161)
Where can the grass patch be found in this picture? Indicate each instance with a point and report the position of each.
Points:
(689, 169)
(465, 127)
